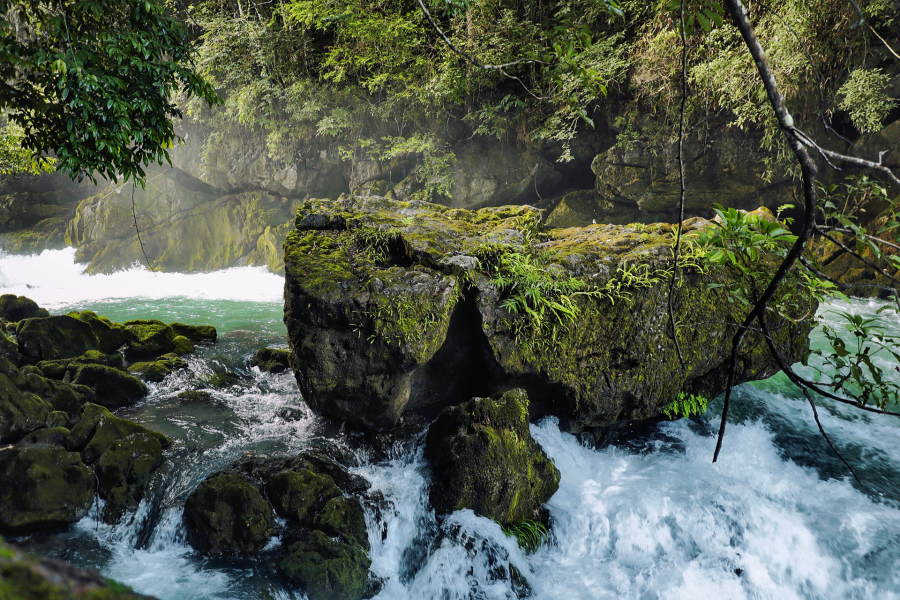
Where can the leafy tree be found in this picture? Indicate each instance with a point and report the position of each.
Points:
(92, 82)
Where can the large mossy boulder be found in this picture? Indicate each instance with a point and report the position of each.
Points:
(56, 337)
(392, 306)
(16, 308)
(227, 516)
(197, 334)
(157, 370)
(110, 336)
(43, 487)
(484, 458)
(21, 412)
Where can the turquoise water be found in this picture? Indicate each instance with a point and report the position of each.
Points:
(777, 517)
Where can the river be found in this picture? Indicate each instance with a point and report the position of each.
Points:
(777, 517)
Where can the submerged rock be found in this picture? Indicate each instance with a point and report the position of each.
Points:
(392, 306)
(42, 488)
(484, 458)
(271, 360)
(227, 516)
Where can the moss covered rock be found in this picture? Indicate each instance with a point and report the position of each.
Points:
(111, 386)
(392, 306)
(151, 337)
(124, 470)
(227, 516)
(197, 334)
(21, 412)
(157, 370)
(324, 568)
(52, 487)
(181, 345)
(28, 577)
(97, 430)
(57, 369)
(52, 338)
(484, 458)
(16, 308)
(110, 336)
(271, 360)
(300, 493)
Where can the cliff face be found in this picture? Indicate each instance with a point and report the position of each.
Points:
(392, 306)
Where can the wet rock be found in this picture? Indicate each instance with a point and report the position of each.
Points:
(62, 396)
(299, 494)
(110, 336)
(124, 470)
(9, 349)
(111, 386)
(151, 337)
(20, 412)
(28, 577)
(271, 360)
(49, 437)
(195, 396)
(52, 488)
(343, 517)
(157, 370)
(181, 345)
(56, 369)
(325, 569)
(16, 308)
(291, 413)
(197, 334)
(227, 516)
(484, 458)
(97, 430)
(53, 338)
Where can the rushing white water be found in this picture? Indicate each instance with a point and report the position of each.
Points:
(53, 279)
(777, 517)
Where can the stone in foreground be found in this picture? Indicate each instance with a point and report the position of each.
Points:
(484, 458)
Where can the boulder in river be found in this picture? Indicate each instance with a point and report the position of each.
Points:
(393, 306)
(227, 516)
(484, 458)
(43, 487)
(112, 387)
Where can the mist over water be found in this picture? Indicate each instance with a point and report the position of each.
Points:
(777, 517)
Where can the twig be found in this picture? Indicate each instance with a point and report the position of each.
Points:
(471, 59)
(136, 228)
(827, 439)
(681, 188)
(846, 249)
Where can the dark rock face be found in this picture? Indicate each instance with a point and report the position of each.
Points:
(16, 308)
(27, 577)
(53, 338)
(484, 458)
(271, 360)
(124, 470)
(52, 488)
(392, 306)
(227, 516)
(324, 543)
(324, 568)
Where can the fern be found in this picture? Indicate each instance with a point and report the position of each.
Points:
(686, 405)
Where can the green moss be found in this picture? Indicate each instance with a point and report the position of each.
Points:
(151, 337)
(326, 569)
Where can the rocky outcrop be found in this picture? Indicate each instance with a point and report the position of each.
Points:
(16, 308)
(392, 306)
(28, 577)
(324, 542)
(483, 457)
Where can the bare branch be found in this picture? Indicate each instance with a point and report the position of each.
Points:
(824, 435)
(681, 188)
(847, 249)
